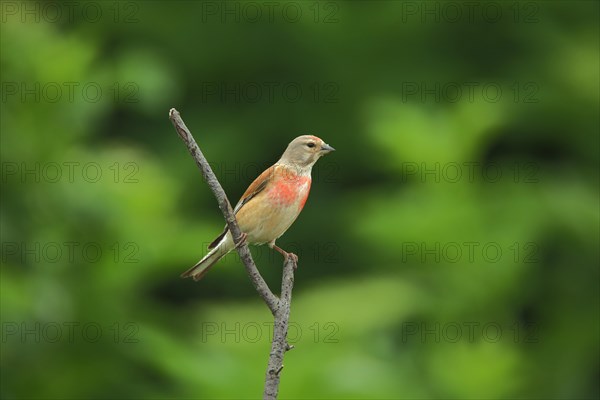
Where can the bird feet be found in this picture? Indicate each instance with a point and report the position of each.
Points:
(286, 255)
(294, 258)
(242, 240)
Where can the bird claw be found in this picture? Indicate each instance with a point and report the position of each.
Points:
(285, 254)
(242, 240)
(293, 257)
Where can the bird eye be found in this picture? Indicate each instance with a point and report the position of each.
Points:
(310, 144)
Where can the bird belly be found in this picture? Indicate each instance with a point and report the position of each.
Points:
(277, 221)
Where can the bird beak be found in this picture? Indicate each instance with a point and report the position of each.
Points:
(327, 148)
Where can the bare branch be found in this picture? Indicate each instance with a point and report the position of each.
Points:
(280, 308)
(280, 329)
(257, 280)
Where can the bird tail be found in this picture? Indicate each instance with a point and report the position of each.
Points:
(198, 271)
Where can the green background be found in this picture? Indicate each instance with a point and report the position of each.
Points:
(449, 248)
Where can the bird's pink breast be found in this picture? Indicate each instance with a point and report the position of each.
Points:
(291, 191)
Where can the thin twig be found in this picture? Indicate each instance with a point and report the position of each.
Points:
(259, 283)
(280, 329)
(280, 308)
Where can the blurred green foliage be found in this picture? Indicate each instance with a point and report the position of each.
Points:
(395, 296)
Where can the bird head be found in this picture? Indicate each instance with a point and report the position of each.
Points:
(304, 151)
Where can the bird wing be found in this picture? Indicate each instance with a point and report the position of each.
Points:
(255, 188)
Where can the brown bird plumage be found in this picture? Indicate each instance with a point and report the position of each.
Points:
(271, 203)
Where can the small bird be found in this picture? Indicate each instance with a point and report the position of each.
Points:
(271, 203)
